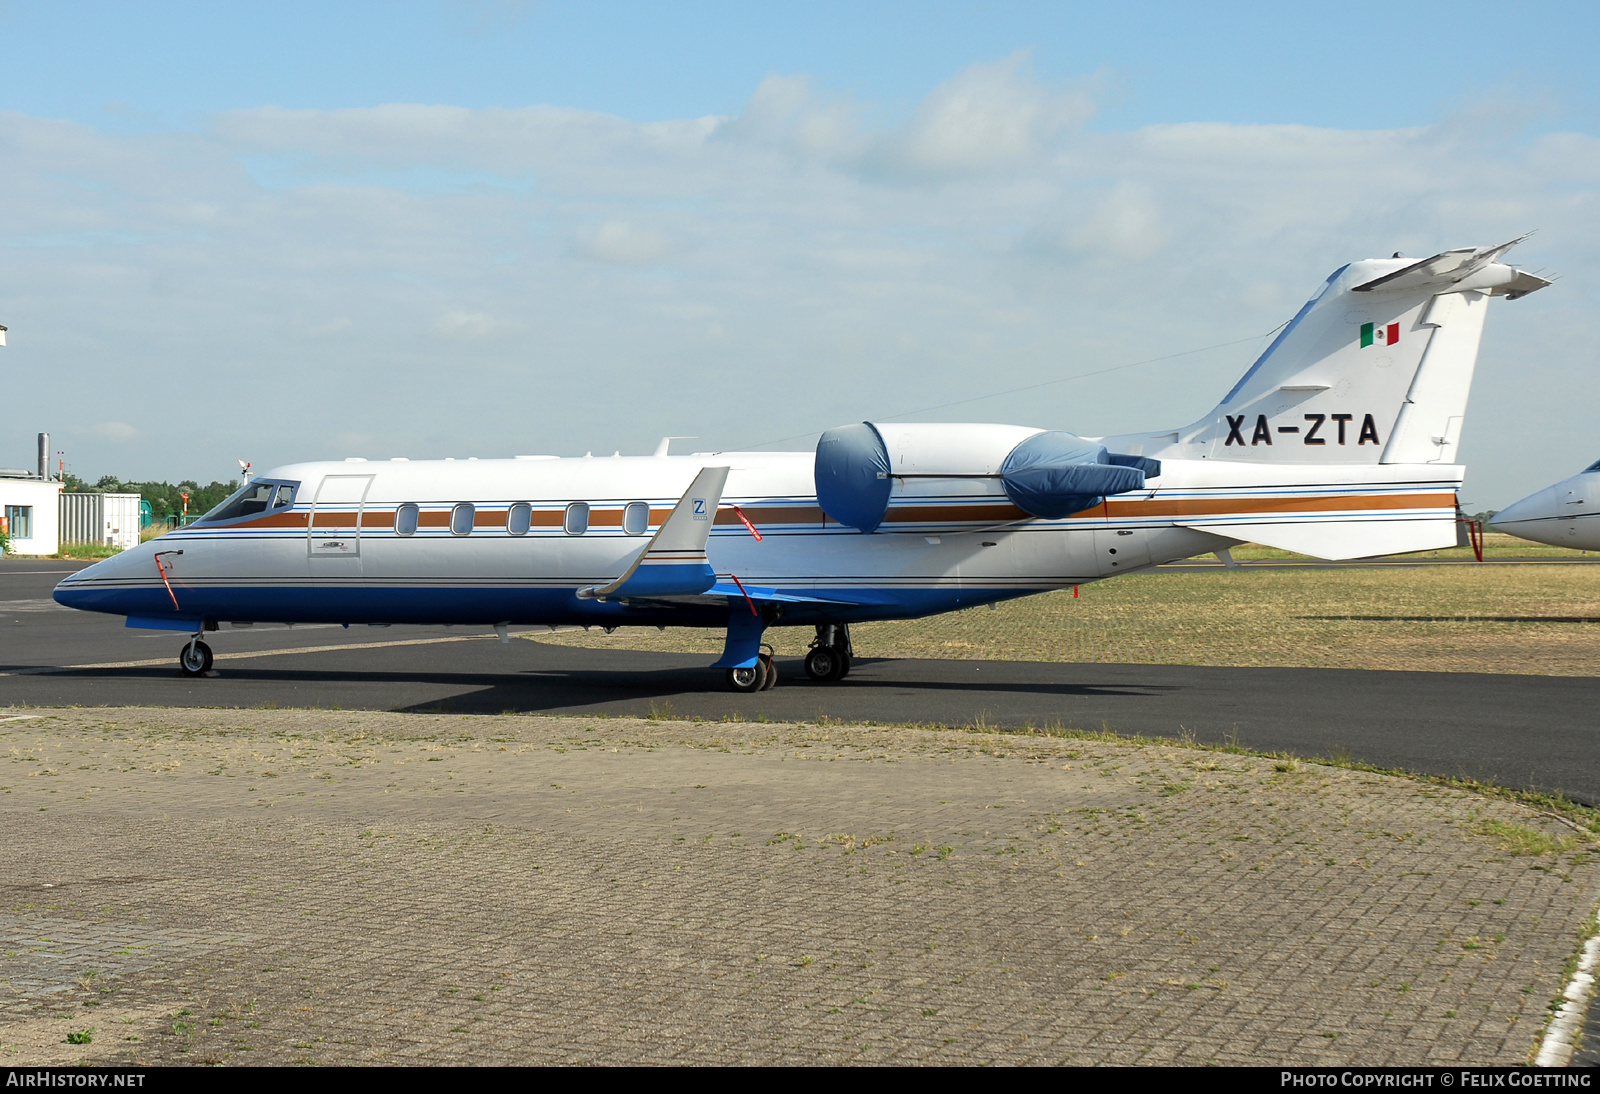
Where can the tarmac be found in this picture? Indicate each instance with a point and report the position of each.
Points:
(1524, 732)
(346, 887)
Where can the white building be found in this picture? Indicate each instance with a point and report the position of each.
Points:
(31, 510)
(109, 519)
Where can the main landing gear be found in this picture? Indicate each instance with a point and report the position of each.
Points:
(829, 659)
(195, 658)
(757, 677)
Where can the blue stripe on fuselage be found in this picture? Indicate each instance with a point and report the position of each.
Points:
(487, 606)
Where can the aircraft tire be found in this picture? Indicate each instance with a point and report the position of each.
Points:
(748, 680)
(195, 660)
(824, 664)
(771, 668)
(844, 665)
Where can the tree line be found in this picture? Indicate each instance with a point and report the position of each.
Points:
(165, 498)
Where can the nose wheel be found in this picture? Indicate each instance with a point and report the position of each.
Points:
(195, 659)
(757, 677)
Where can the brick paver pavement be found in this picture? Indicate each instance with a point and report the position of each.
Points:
(346, 887)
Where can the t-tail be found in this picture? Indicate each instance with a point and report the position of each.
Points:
(1342, 437)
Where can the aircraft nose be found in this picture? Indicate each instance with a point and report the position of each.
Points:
(1534, 517)
(72, 589)
(1532, 507)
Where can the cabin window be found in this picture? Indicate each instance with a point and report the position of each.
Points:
(636, 518)
(461, 518)
(577, 518)
(405, 520)
(519, 519)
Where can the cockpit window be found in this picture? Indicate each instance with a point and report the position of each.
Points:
(252, 498)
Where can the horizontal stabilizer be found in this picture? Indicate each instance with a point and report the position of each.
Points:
(674, 561)
(1463, 268)
(1335, 540)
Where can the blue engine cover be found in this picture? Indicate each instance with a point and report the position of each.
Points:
(852, 473)
(1055, 474)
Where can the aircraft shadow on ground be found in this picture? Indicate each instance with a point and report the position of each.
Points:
(545, 689)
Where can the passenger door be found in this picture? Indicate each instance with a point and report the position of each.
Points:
(333, 541)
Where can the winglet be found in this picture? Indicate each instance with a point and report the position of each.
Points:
(674, 562)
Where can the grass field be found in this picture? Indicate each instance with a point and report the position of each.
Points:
(1452, 618)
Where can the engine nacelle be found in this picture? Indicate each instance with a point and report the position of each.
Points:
(1046, 474)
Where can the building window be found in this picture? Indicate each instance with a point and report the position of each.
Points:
(636, 518)
(405, 520)
(577, 519)
(461, 518)
(19, 519)
(519, 519)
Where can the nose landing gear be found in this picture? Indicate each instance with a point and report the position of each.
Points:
(829, 659)
(195, 658)
(757, 677)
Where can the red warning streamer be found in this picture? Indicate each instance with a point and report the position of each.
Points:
(747, 599)
(746, 522)
(163, 571)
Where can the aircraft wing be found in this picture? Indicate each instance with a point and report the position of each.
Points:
(727, 592)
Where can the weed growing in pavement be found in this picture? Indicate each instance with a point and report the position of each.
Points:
(80, 1037)
(1518, 839)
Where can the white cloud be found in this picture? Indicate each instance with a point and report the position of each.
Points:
(115, 432)
(332, 326)
(465, 324)
(990, 115)
(622, 243)
(739, 278)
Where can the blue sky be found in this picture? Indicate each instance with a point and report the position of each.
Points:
(1352, 65)
(479, 228)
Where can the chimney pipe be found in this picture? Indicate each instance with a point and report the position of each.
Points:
(44, 455)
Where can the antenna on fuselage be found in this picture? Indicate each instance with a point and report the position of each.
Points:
(666, 443)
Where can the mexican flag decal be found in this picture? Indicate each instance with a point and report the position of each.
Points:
(1384, 336)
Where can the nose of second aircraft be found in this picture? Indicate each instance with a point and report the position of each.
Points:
(1535, 517)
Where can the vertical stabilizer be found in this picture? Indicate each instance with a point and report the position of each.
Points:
(1375, 368)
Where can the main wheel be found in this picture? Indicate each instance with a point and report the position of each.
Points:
(824, 663)
(771, 668)
(844, 665)
(195, 659)
(747, 680)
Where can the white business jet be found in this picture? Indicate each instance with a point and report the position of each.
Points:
(1339, 441)
(1564, 515)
